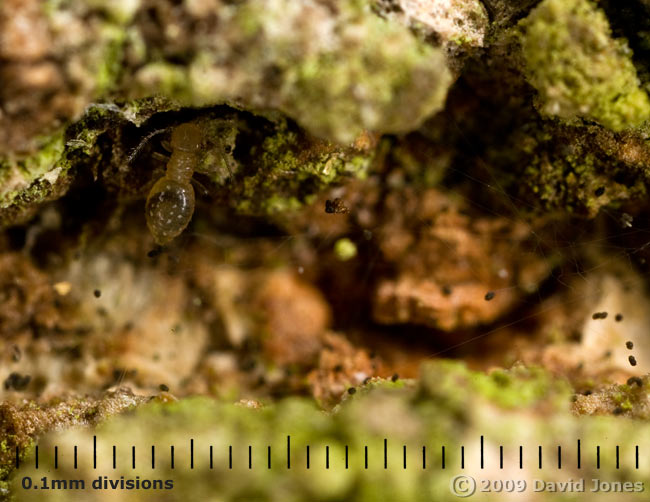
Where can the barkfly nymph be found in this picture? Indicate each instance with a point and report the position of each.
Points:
(171, 200)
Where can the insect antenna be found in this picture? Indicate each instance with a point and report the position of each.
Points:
(136, 151)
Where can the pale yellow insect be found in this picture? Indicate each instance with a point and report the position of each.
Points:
(170, 203)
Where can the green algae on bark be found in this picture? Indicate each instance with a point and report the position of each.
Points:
(450, 406)
(546, 163)
(288, 167)
(335, 71)
(20, 425)
(577, 67)
(630, 400)
(579, 170)
(256, 163)
(26, 183)
(57, 57)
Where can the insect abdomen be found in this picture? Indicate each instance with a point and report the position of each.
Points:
(169, 209)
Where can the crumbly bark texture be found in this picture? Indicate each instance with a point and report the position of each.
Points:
(378, 184)
(525, 404)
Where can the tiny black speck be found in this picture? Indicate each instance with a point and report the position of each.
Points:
(618, 318)
(17, 381)
(629, 344)
(636, 380)
(618, 410)
(336, 206)
(163, 387)
(446, 290)
(155, 252)
(632, 360)
(338, 368)
(489, 295)
(395, 377)
(97, 293)
(599, 191)
(352, 390)
(587, 393)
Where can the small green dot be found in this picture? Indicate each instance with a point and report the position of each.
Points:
(345, 249)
